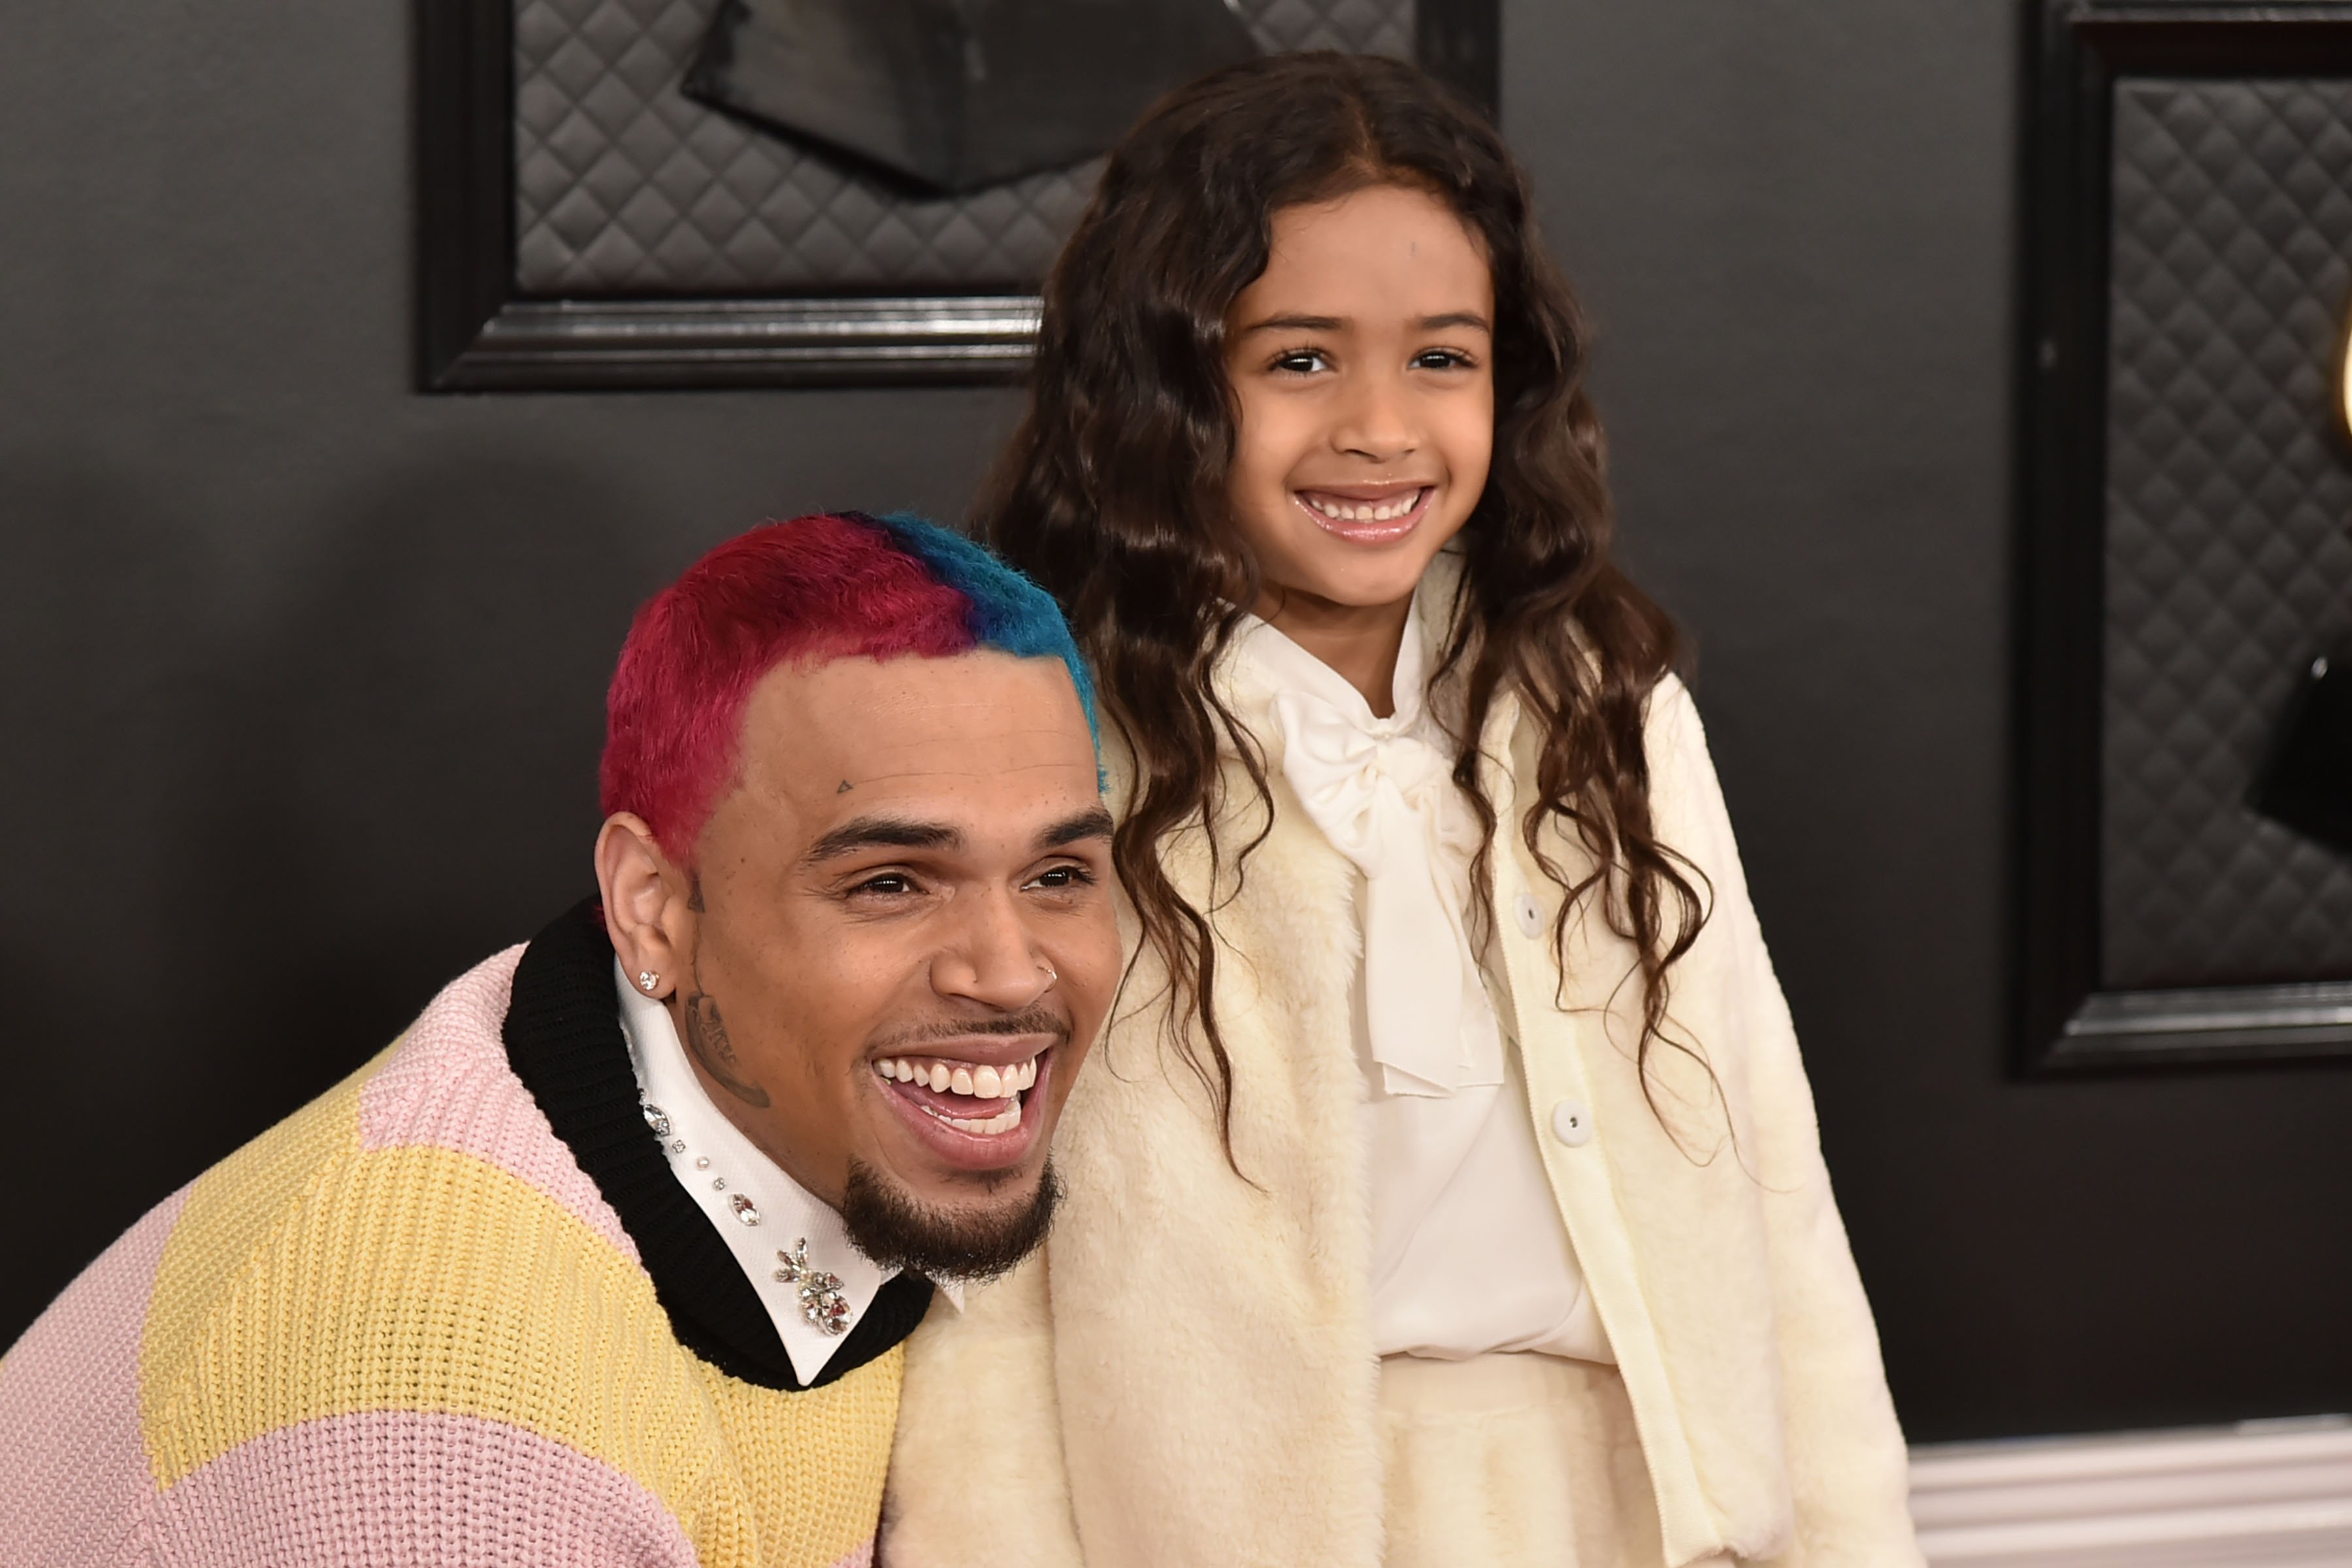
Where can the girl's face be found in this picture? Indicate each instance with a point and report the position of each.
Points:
(1362, 362)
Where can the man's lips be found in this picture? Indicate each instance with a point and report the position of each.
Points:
(972, 1111)
(1366, 514)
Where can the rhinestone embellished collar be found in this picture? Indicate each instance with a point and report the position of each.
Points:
(739, 1205)
(791, 1247)
(824, 1306)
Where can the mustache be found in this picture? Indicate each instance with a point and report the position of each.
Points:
(1028, 1021)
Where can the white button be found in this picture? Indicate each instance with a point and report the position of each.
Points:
(1571, 1123)
(1530, 915)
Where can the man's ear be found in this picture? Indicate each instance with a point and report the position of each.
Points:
(648, 904)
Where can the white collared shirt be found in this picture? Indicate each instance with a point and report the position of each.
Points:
(1469, 1251)
(762, 1213)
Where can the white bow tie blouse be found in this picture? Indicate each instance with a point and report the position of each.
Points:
(1469, 1252)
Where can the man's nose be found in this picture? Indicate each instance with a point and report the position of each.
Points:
(991, 957)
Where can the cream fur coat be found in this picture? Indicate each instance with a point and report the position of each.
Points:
(1185, 1376)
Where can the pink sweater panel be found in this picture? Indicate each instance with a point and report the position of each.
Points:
(383, 1489)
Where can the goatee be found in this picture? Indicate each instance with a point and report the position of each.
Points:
(942, 1243)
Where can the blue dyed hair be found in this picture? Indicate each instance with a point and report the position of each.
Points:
(1009, 611)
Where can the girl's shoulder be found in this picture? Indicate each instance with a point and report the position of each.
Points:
(1686, 804)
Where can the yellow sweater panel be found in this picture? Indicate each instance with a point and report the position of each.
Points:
(308, 1277)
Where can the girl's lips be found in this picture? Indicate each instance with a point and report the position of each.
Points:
(1364, 531)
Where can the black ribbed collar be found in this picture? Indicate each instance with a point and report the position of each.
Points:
(563, 1037)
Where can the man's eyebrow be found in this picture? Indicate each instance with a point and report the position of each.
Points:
(880, 833)
(1092, 823)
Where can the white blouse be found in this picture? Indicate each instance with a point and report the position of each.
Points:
(1469, 1252)
(772, 1224)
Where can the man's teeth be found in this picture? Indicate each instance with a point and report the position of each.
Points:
(1004, 1121)
(979, 1083)
(1340, 511)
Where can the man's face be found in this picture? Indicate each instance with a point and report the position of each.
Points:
(904, 941)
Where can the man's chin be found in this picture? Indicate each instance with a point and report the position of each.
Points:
(964, 1239)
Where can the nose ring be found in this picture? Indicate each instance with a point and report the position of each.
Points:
(1051, 975)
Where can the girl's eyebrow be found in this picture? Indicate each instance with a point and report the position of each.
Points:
(1292, 324)
(1297, 324)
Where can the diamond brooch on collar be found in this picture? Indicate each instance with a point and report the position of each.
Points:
(822, 1302)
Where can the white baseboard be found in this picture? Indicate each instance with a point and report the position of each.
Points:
(2275, 1494)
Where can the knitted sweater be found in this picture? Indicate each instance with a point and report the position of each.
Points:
(454, 1312)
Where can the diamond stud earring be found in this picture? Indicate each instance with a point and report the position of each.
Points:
(647, 979)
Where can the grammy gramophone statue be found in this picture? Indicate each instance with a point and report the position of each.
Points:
(2306, 783)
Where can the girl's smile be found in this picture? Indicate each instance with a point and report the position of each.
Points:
(1367, 514)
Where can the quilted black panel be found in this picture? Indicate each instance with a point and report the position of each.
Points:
(2229, 555)
(622, 186)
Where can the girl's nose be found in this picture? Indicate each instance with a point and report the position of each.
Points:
(1376, 421)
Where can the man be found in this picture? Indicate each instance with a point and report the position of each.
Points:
(611, 1258)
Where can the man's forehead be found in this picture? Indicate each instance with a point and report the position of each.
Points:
(887, 726)
(982, 688)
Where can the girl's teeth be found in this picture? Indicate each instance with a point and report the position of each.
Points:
(1387, 511)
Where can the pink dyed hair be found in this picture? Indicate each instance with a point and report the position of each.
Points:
(811, 590)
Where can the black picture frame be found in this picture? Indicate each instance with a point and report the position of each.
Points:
(2077, 51)
(478, 333)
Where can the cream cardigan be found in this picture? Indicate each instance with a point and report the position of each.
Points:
(1185, 1376)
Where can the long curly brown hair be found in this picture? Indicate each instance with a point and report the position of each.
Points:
(1113, 495)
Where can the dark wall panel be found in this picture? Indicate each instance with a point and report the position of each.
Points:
(1795, 224)
(2228, 560)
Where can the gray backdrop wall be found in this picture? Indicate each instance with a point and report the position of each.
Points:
(300, 672)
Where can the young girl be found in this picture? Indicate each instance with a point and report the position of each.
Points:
(1447, 1190)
